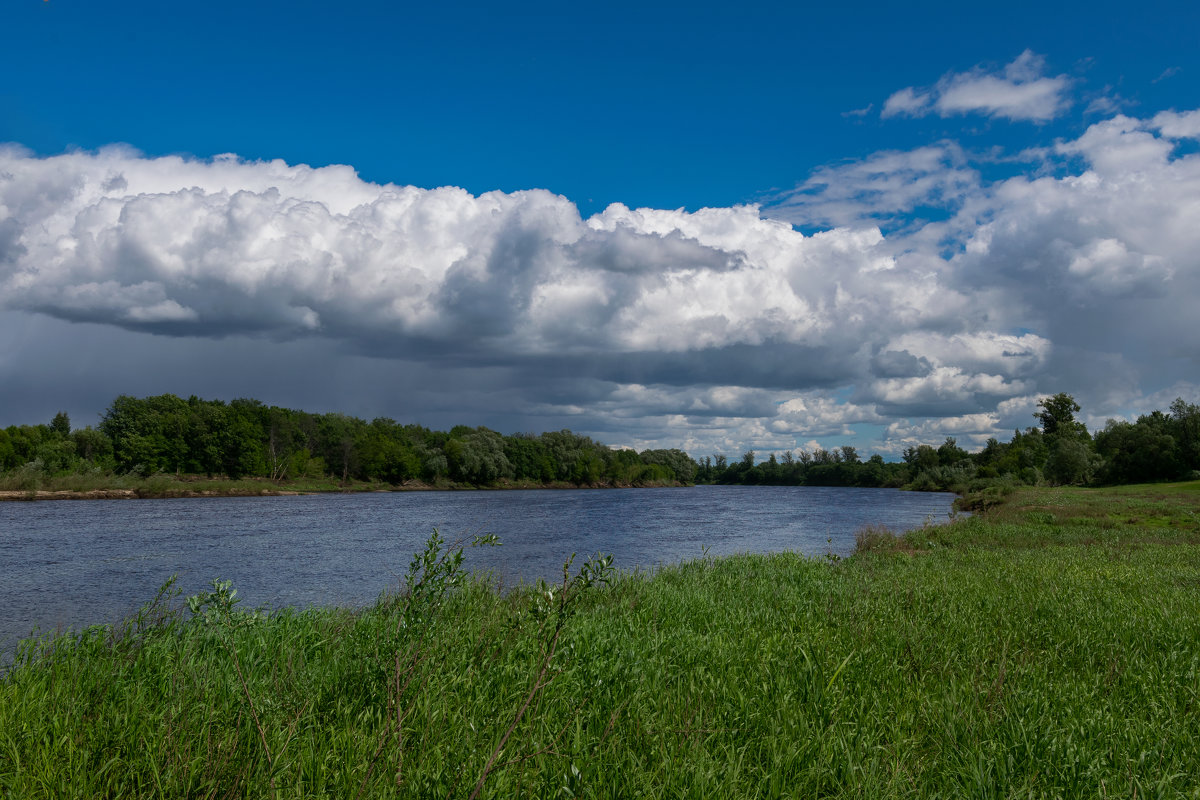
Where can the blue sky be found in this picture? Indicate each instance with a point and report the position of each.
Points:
(662, 105)
(918, 218)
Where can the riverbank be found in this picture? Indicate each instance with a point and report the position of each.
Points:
(128, 487)
(1048, 646)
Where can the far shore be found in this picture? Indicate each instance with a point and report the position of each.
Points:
(186, 487)
(131, 494)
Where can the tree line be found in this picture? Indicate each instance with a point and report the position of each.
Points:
(1059, 450)
(245, 438)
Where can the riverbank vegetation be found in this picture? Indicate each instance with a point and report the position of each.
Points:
(146, 444)
(166, 446)
(1059, 451)
(1048, 647)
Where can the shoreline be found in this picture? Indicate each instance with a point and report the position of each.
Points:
(180, 489)
(132, 494)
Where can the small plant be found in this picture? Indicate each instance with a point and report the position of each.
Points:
(218, 610)
(153, 617)
(433, 574)
(553, 613)
(830, 556)
(219, 607)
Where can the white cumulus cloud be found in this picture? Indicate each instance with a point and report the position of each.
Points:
(717, 329)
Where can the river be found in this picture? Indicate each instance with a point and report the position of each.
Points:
(67, 564)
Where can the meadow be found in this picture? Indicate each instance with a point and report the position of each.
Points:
(1048, 646)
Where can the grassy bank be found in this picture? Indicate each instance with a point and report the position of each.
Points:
(1048, 648)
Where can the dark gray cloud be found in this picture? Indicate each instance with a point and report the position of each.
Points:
(899, 364)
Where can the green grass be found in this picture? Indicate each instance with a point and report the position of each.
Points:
(1047, 648)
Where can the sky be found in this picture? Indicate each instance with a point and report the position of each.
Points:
(718, 227)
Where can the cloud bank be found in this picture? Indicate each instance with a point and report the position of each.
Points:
(718, 329)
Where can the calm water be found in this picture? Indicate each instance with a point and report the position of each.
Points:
(74, 563)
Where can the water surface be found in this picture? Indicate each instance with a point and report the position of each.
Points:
(67, 564)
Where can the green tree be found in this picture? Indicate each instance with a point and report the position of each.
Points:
(529, 458)
(1140, 451)
(1071, 461)
(950, 453)
(338, 437)
(8, 454)
(93, 446)
(1057, 416)
(1186, 430)
(683, 468)
(478, 457)
(61, 424)
(148, 435)
(921, 457)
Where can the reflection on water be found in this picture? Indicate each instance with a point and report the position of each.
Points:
(74, 563)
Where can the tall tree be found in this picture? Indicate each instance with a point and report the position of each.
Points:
(1057, 415)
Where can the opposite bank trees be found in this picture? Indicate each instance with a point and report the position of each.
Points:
(1059, 450)
(168, 434)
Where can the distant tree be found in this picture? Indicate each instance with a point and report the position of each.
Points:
(149, 434)
(61, 424)
(822, 456)
(478, 457)
(683, 468)
(624, 466)
(921, 457)
(991, 454)
(874, 472)
(8, 454)
(770, 471)
(1185, 419)
(93, 446)
(529, 458)
(1141, 451)
(56, 453)
(243, 443)
(1057, 416)
(338, 437)
(950, 453)
(1071, 461)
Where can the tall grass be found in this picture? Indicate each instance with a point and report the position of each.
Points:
(999, 656)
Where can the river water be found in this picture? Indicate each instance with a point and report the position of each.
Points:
(67, 564)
